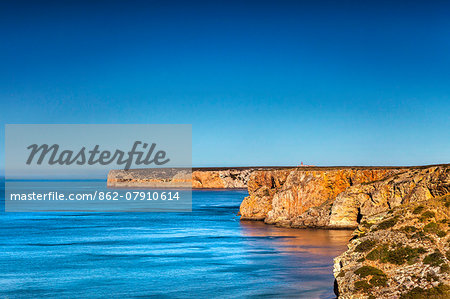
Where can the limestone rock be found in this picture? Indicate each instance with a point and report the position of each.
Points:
(402, 253)
(364, 200)
(262, 186)
(280, 197)
(199, 178)
(337, 197)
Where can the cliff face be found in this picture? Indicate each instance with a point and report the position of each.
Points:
(411, 185)
(401, 248)
(221, 179)
(404, 253)
(201, 178)
(337, 197)
(149, 178)
(279, 197)
(262, 187)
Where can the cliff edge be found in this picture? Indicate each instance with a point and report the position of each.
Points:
(339, 197)
(402, 253)
(198, 178)
(401, 247)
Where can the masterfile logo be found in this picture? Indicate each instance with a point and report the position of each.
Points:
(65, 167)
(94, 156)
(81, 151)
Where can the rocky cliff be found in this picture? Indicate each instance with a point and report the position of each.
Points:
(410, 185)
(280, 197)
(401, 247)
(402, 253)
(337, 197)
(200, 178)
(221, 179)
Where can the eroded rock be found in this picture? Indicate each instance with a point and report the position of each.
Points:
(404, 253)
(339, 197)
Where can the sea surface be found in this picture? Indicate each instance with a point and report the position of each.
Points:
(207, 253)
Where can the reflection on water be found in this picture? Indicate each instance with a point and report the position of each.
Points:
(302, 258)
(313, 241)
(206, 253)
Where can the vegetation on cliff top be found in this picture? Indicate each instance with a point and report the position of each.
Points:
(406, 254)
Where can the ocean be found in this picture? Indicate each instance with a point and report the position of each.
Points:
(207, 253)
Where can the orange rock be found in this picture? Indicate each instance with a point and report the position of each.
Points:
(282, 195)
(206, 179)
(339, 196)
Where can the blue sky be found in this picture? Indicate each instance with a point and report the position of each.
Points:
(262, 83)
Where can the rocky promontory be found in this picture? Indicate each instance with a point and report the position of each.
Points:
(198, 178)
(401, 253)
(401, 247)
(338, 197)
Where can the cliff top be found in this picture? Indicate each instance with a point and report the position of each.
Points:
(307, 168)
(405, 253)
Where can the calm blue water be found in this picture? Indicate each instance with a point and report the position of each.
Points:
(206, 253)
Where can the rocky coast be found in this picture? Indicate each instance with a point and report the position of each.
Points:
(401, 245)
(198, 178)
(401, 217)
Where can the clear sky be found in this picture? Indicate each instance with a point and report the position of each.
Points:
(262, 83)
